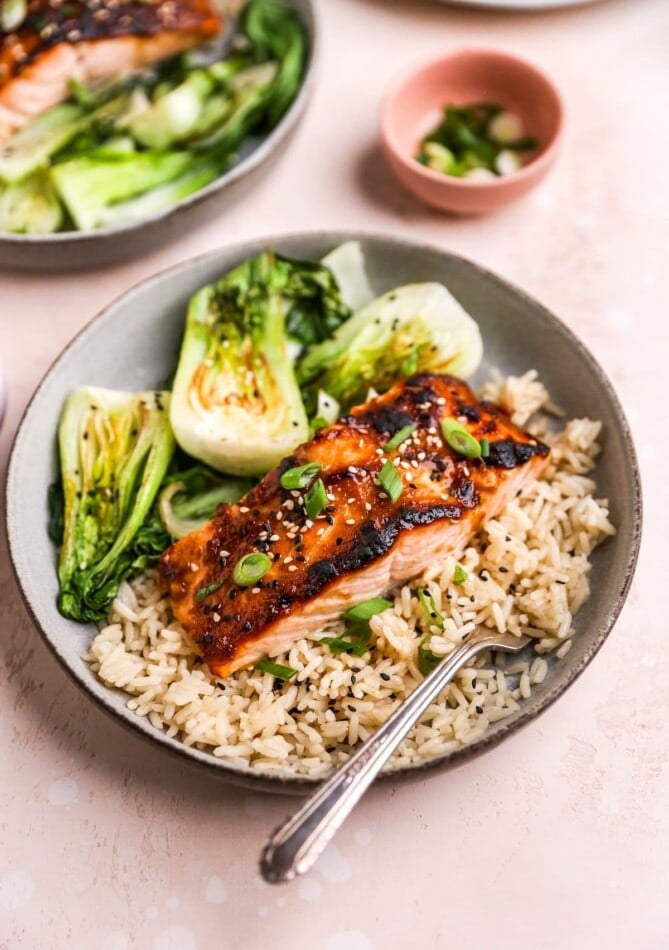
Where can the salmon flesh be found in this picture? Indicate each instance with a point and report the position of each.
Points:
(362, 544)
(90, 40)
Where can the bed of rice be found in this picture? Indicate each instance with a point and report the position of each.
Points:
(527, 573)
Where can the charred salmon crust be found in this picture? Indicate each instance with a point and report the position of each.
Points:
(49, 23)
(362, 543)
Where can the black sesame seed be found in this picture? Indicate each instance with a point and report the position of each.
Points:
(351, 708)
(385, 676)
(503, 570)
(479, 709)
(474, 682)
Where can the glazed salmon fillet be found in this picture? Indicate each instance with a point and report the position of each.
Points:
(90, 40)
(362, 544)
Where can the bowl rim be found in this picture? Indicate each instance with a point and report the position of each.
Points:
(302, 784)
(542, 160)
(241, 169)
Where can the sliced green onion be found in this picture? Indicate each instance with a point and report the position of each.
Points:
(319, 423)
(390, 481)
(426, 601)
(276, 669)
(251, 568)
(300, 477)
(460, 575)
(367, 609)
(485, 448)
(342, 645)
(400, 436)
(460, 440)
(315, 499)
(427, 660)
(205, 591)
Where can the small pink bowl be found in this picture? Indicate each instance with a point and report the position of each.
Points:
(415, 104)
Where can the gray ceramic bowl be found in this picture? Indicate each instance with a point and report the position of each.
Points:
(134, 345)
(79, 250)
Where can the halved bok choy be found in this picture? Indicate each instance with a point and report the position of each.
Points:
(236, 404)
(414, 328)
(115, 448)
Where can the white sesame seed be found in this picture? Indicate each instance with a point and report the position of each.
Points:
(279, 515)
(421, 456)
(193, 567)
(244, 510)
(274, 537)
(350, 501)
(308, 523)
(255, 590)
(368, 506)
(225, 554)
(330, 497)
(293, 567)
(287, 560)
(216, 617)
(350, 521)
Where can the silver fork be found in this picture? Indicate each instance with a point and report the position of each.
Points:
(296, 844)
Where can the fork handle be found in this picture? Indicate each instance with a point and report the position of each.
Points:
(300, 840)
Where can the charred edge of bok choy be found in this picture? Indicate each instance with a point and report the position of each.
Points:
(125, 151)
(236, 404)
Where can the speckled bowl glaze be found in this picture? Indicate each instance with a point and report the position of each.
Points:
(80, 250)
(134, 344)
(414, 106)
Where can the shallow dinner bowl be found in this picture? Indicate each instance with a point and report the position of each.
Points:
(77, 250)
(415, 105)
(134, 345)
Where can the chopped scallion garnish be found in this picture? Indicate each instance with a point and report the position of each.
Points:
(315, 499)
(277, 670)
(343, 645)
(251, 568)
(300, 477)
(460, 575)
(367, 609)
(390, 481)
(485, 448)
(205, 591)
(459, 439)
(400, 436)
(427, 660)
(426, 601)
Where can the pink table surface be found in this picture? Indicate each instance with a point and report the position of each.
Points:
(557, 839)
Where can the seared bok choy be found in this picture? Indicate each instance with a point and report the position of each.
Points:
(415, 328)
(189, 499)
(115, 449)
(128, 150)
(236, 404)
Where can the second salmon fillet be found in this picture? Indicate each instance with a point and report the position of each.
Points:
(362, 544)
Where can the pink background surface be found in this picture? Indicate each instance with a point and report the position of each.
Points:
(559, 837)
